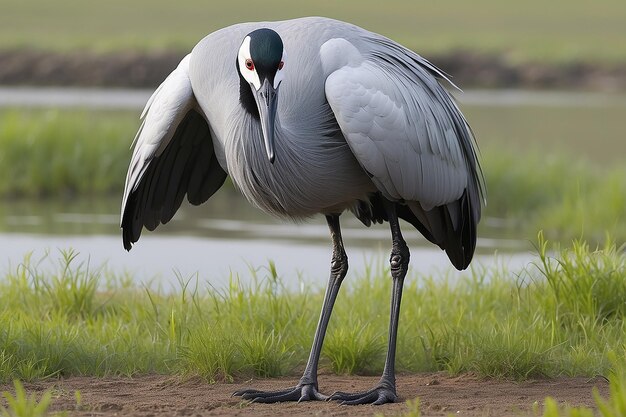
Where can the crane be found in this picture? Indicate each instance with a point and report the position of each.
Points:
(312, 116)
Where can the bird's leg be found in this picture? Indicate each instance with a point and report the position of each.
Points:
(385, 390)
(307, 390)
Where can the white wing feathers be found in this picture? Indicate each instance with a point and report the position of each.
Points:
(173, 157)
(399, 132)
(162, 114)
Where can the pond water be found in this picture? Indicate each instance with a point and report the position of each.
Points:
(227, 236)
(223, 237)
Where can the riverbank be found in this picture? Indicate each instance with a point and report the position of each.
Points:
(132, 69)
(560, 318)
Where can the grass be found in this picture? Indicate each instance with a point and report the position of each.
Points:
(56, 154)
(84, 155)
(533, 30)
(561, 316)
(565, 196)
(23, 405)
(553, 129)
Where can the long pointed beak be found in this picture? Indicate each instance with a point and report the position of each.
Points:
(267, 101)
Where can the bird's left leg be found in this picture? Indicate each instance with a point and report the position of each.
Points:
(385, 390)
(306, 389)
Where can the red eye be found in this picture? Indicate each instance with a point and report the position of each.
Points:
(281, 65)
(249, 64)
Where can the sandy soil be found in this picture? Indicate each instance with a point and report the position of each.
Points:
(440, 395)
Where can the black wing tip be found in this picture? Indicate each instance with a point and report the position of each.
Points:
(461, 243)
(130, 233)
(127, 239)
(458, 247)
(460, 257)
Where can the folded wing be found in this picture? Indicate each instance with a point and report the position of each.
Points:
(408, 134)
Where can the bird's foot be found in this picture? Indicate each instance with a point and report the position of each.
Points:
(381, 394)
(301, 392)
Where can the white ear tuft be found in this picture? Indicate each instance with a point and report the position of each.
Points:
(249, 75)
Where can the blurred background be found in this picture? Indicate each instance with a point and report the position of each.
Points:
(544, 88)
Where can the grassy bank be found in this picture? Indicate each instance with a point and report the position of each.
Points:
(56, 153)
(565, 196)
(85, 155)
(533, 30)
(561, 316)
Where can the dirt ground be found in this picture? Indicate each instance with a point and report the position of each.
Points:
(439, 394)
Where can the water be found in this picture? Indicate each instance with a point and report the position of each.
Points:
(127, 99)
(224, 237)
(227, 236)
(163, 260)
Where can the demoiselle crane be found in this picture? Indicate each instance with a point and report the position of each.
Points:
(311, 116)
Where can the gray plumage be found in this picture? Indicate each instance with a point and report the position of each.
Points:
(361, 124)
(417, 147)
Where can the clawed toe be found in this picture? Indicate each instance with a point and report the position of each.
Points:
(376, 396)
(306, 392)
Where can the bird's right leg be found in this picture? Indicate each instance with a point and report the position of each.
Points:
(307, 390)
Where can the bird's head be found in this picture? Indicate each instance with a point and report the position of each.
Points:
(260, 63)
